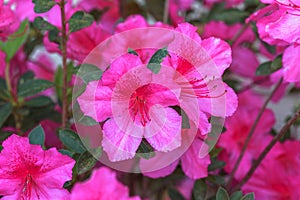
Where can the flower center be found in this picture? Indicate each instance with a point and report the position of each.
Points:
(26, 191)
(138, 106)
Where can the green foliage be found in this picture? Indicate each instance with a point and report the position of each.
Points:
(145, 150)
(199, 190)
(80, 20)
(89, 72)
(269, 67)
(5, 111)
(41, 24)
(71, 140)
(33, 87)
(37, 136)
(222, 194)
(175, 194)
(85, 163)
(15, 41)
(42, 6)
(156, 59)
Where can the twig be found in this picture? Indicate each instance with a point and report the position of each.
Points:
(251, 132)
(267, 150)
(166, 11)
(64, 63)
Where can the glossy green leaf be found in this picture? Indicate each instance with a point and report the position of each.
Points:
(37, 136)
(33, 87)
(41, 24)
(199, 190)
(89, 72)
(175, 195)
(39, 101)
(5, 112)
(3, 89)
(222, 194)
(85, 163)
(80, 20)
(236, 195)
(156, 59)
(145, 150)
(269, 67)
(42, 6)
(216, 164)
(71, 140)
(249, 196)
(15, 41)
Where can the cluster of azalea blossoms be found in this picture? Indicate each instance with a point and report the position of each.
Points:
(175, 99)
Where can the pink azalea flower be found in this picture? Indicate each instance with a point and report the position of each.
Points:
(237, 129)
(29, 172)
(210, 57)
(281, 27)
(281, 167)
(103, 184)
(7, 24)
(127, 97)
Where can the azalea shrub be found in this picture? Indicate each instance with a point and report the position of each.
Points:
(140, 99)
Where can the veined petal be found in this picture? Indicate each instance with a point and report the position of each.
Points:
(120, 144)
(164, 130)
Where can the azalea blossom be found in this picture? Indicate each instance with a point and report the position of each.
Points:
(238, 127)
(102, 184)
(7, 24)
(132, 107)
(278, 24)
(29, 172)
(281, 167)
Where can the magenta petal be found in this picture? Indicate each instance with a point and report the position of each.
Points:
(192, 165)
(290, 60)
(96, 101)
(118, 144)
(219, 51)
(220, 106)
(164, 130)
(163, 172)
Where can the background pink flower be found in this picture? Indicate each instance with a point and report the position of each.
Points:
(103, 185)
(29, 172)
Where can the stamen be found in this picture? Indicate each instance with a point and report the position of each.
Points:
(139, 106)
(26, 191)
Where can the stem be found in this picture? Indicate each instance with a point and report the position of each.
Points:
(64, 64)
(7, 79)
(267, 150)
(251, 132)
(166, 11)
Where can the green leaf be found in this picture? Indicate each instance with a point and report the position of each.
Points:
(199, 190)
(80, 20)
(29, 75)
(156, 59)
(222, 194)
(37, 136)
(231, 16)
(3, 90)
(216, 164)
(1, 147)
(33, 87)
(71, 140)
(85, 163)
(5, 112)
(43, 25)
(131, 51)
(89, 72)
(269, 67)
(276, 63)
(42, 6)
(249, 196)
(145, 150)
(236, 195)
(66, 152)
(58, 81)
(53, 36)
(174, 194)
(15, 41)
(39, 101)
